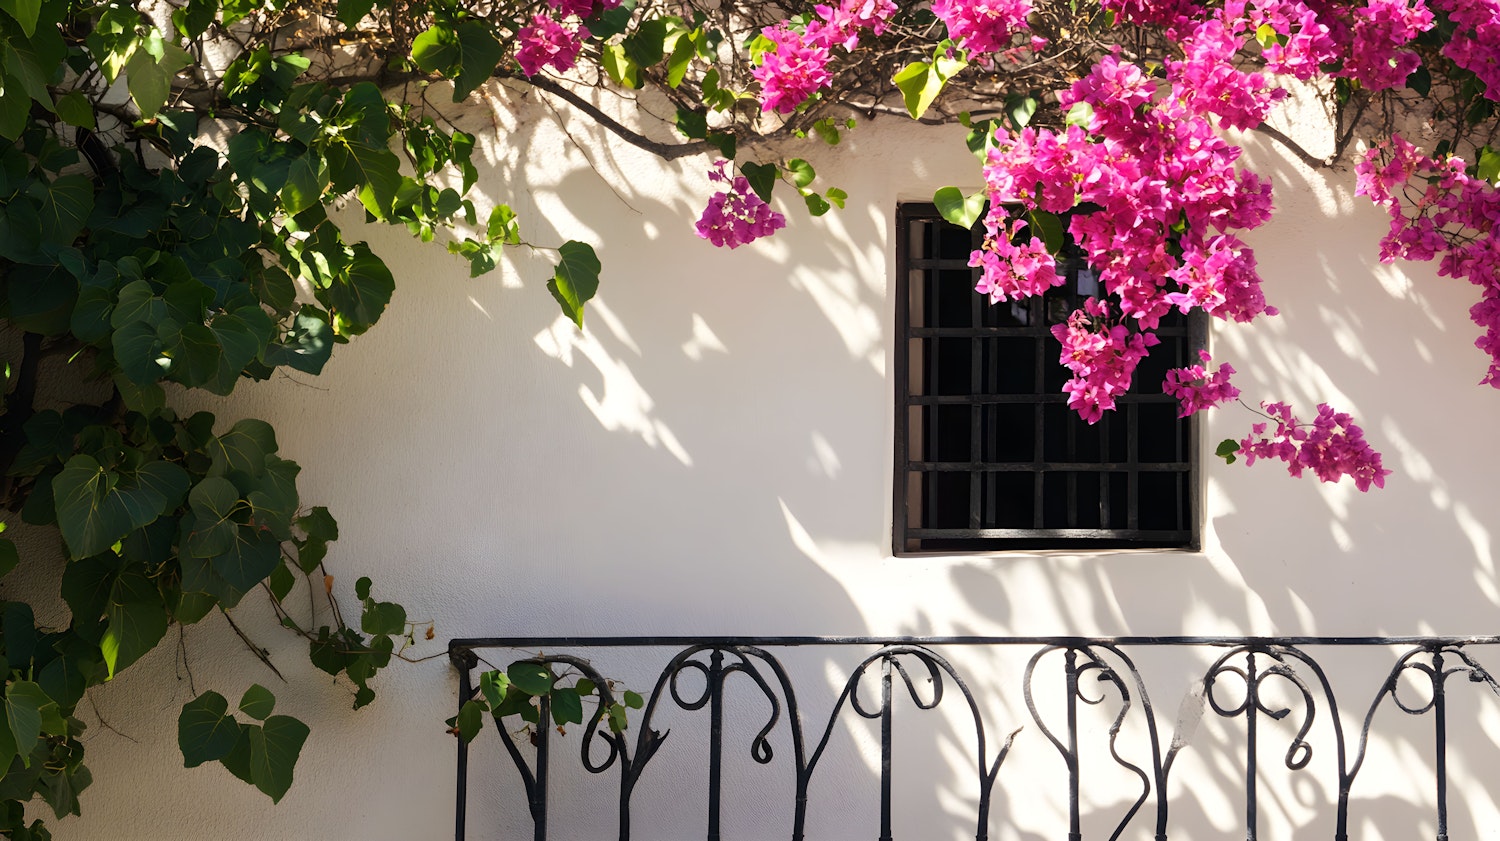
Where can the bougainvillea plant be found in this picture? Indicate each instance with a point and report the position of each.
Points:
(167, 168)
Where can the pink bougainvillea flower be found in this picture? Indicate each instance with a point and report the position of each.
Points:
(796, 69)
(1331, 446)
(736, 216)
(982, 26)
(547, 43)
(1196, 389)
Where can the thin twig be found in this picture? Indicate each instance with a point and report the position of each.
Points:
(260, 653)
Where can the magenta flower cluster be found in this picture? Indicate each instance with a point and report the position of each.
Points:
(1475, 44)
(1436, 209)
(1331, 446)
(1102, 356)
(736, 216)
(797, 67)
(550, 40)
(547, 43)
(983, 26)
(1197, 389)
(1011, 272)
(1167, 196)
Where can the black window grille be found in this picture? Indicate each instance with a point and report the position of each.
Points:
(988, 454)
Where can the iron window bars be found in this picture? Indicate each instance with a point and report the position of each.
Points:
(988, 455)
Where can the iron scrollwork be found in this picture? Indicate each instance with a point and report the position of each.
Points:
(914, 672)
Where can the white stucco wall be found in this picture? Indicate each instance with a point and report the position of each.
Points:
(713, 456)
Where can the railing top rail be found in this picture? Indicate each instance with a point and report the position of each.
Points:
(540, 642)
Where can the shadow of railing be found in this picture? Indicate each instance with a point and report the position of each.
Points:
(1259, 682)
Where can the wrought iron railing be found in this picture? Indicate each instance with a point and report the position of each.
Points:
(1248, 678)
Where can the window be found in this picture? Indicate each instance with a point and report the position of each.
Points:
(988, 454)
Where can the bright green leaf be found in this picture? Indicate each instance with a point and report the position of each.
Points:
(576, 279)
(957, 208)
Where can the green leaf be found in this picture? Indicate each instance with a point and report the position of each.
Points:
(816, 205)
(149, 77)
(502, 226)
(306, 179)
(584, 686)
(1488, 168)
(436, 50)
(375, 170)
(620, 67)
(634, 700)
(762, 178)
(351, 12)
(567, 707)
(74, 108)
(258, 702)
(530, 677)
(205, 730)
(493, 685)
(1048, 228)
(137, 621)
(1227, 450)
(837, 197)
(724, 142)
(957, 208)
(243, 449)
(274, 749)
(480, 55)
(319, 524)
(383, 618)
(575, 280)
(24, 703)
(1020, 109)
(95, 507)
(1420, 81)
(25, 12)
(470, 720)
(680, 60)
(65, 207)
(1081, 115)
(801, 171)
(358, 297)
(648, 44)
(692, 124)
(920, 84)
(9, 557)
(617, 722)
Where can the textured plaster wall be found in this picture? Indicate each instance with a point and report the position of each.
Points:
(713, 456)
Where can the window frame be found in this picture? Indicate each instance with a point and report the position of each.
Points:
(908, 541)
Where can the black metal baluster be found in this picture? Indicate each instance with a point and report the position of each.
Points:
(1075, 824)
(1440, 737)
(539, 793)
(715, 738)
(1252, 704)
(464, 660)
(885, 749)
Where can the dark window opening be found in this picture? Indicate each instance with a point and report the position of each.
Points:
(988, 455)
